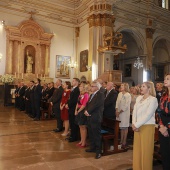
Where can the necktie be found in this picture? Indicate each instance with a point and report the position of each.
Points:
(91, 97)
(107, 93)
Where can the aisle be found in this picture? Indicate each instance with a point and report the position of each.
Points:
(29, 145)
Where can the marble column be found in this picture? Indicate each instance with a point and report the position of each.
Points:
(47, 54)
(20, 59)
(15, 57)
(77, 31)
(9, 59)
(98, 25)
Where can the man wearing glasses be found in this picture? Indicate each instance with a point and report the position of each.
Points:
(94, 113)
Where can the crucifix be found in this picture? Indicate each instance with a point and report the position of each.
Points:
(32, 13)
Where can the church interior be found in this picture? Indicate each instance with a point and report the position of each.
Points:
(114, 40)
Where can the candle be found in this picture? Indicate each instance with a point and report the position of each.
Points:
(22, 75)
(15, 75)
(18, 75)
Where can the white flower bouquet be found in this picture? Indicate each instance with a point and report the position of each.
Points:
(7, 78)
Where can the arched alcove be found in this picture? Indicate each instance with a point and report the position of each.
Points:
(161, 59)
(29, 59)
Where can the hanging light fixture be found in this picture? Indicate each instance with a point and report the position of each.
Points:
(138, 63)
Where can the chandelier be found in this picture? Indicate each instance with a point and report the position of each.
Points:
(138, 63)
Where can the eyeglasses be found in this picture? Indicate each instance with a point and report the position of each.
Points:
(93, 86)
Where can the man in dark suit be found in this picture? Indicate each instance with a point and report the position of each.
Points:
(44, 92)
(110, 101)
(94, 113)
(17, 103)
(55, 102)
(27, 99)
(72, 102)
(50, 90)
(37, 99)
(32, 87)
(21, 96)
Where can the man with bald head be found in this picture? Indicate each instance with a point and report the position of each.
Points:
(110, 101)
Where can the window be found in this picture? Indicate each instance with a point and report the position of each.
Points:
(164, 3)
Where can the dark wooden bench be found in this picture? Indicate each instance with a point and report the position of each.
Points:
(112, 133)
(46, 109)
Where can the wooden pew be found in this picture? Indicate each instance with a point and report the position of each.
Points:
(113, 133)
(156, 153)
(46, 108)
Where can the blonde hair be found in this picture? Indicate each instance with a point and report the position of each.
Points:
(85, 87)
(137, 90)
(126, 87)
(150, 86)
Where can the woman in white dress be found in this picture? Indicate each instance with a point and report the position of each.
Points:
(143, 125)
(123, 112)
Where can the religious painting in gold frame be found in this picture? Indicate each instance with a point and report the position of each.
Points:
(83, 60)
(62, 66)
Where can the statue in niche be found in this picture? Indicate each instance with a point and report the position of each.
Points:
(29, 63)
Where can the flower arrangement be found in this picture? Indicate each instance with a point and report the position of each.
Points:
(7, 78)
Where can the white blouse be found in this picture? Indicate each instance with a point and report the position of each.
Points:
(144, 111)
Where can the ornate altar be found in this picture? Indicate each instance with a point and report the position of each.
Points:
(28, 50)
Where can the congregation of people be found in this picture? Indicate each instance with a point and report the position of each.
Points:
(79, 108)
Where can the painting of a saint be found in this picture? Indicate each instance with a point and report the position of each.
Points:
(62, 66)
(83, 60)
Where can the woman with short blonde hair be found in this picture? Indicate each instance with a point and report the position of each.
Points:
(123, 112)
(143, 125)
(81, 119)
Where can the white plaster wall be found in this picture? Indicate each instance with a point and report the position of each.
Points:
(61, 44)
(83, 44)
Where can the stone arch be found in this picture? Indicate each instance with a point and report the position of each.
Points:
(161, 57)
(161, 51)
(30, 26)
(140, 40)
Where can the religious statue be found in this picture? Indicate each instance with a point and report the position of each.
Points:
(29, 63)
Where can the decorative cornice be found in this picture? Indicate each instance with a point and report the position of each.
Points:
(100, 7)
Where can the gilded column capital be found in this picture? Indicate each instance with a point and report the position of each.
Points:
(105, 19)
(149, 32)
